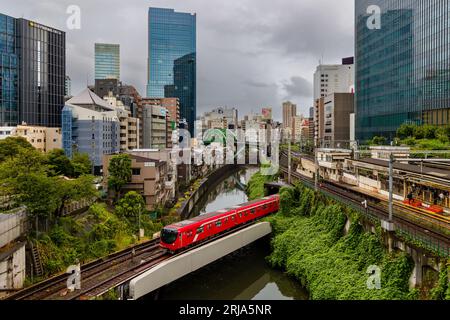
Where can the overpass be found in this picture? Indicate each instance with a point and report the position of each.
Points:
(185, 263)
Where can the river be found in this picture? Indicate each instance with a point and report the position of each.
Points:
(243, 275)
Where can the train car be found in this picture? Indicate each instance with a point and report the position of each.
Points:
(182, 235)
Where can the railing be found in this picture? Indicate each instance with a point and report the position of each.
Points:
(436, 246)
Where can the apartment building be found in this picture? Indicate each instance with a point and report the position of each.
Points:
(44, 139)
(149, 178)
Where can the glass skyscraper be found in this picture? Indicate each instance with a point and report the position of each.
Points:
(32, 73)
(107, 61)
(403, 67)
(9, 68)
(172, 59)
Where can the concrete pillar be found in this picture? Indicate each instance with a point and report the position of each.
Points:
(417, 274)
(390, 242)
(347, 226)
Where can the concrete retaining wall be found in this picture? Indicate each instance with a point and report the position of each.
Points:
(205, 185)
(12, 226)
(12, 268)
(191, 261)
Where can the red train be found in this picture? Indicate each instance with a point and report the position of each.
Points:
(184, 234)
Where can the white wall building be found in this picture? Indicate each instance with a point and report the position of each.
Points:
(334, 78)
(220, 118)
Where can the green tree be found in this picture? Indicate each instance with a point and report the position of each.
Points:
(24, 162)
(425, 132)
(131, 206)
(81, 164)
(119, 173)
(38, 193)
(74, 190)
(11, 146)
(406, 131)
(379, 141)
(60, 163)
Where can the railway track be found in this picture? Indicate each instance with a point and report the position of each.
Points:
(381, 211)
(93, 274)
(100, 276)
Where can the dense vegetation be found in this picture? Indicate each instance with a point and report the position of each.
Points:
(311, 245)
(44, 183)
(255, 186)
(424, 137)
(91, 235)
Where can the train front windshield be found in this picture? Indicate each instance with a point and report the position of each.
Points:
(169, 236)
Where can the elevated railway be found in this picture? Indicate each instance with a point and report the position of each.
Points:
(431, 229)
(98, 276)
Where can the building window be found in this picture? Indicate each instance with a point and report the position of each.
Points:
(136, 171)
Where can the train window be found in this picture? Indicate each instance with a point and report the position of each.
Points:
(233, 217)
(219, 223)
(253, 211)
(240, 215)
(265, 206)
(200, 230)
(169, 236)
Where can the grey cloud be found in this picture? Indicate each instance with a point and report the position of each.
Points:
(298, 87)
(258, 84)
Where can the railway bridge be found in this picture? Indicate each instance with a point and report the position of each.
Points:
(195, 259)
(142, 269)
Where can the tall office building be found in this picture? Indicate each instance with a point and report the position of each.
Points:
(172, 59)
(402, 68)
(289, 112)
(32, 69)
(9, 72)
(107, 61)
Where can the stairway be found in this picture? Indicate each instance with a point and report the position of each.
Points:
(37, 264)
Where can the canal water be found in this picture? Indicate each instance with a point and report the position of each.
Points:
(243, 275)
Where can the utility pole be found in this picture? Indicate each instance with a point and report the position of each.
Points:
(139, 222)
(391, 187)
(289, 155)
(316, 160)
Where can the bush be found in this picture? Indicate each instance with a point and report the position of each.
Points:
(310, 245)
(90, 236)
(255, 186)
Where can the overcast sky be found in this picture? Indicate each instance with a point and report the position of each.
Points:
(251, 53)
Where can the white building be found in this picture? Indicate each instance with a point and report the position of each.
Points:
(335, 78)
(220, 118)
(129, 126)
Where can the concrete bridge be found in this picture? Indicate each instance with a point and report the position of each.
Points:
(181, 265)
